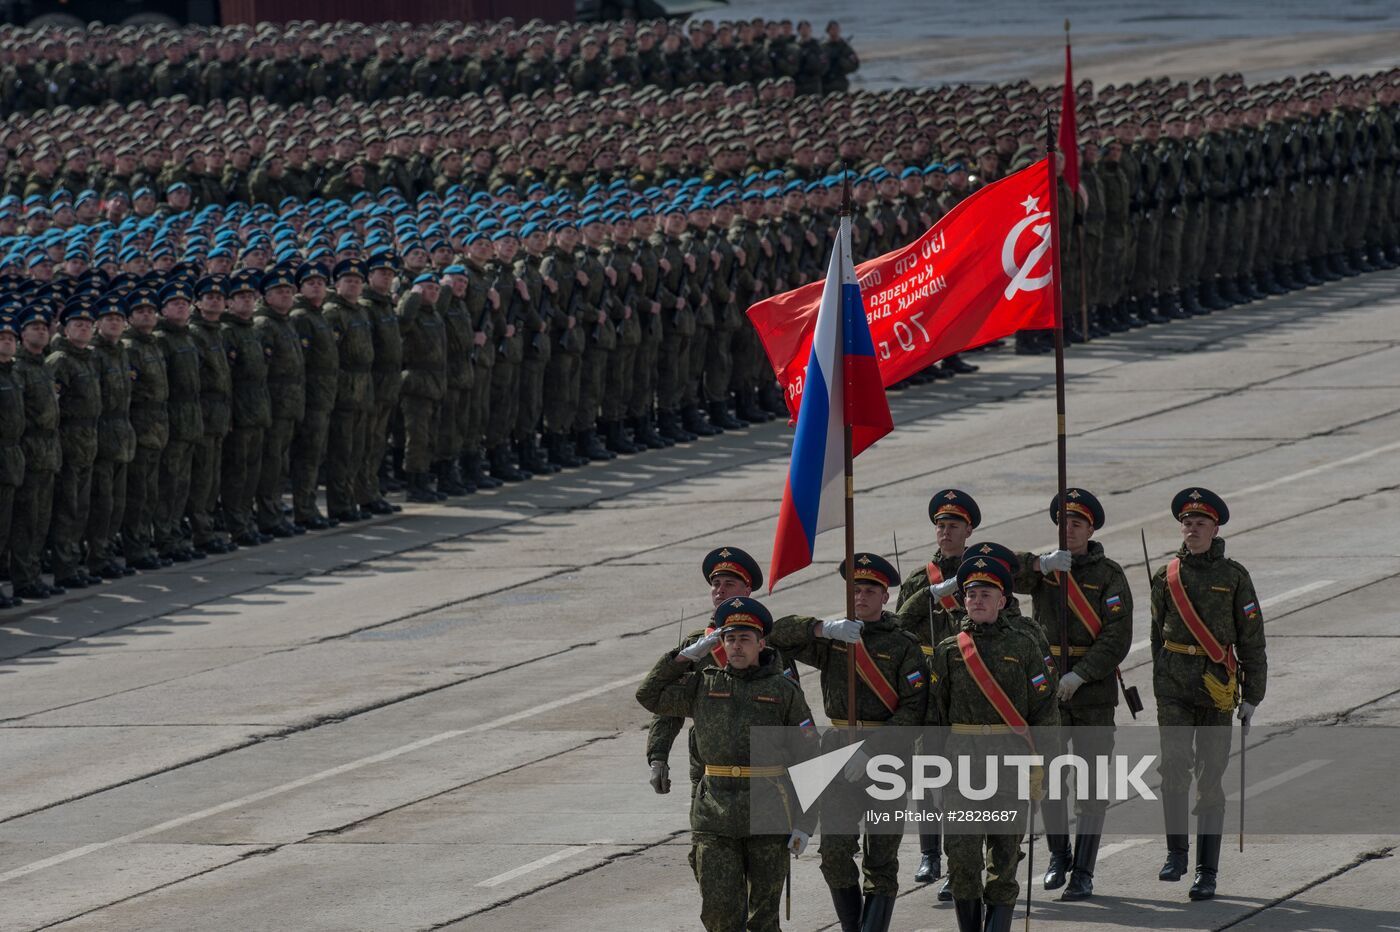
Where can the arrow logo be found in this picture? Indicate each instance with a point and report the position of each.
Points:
(811, 777)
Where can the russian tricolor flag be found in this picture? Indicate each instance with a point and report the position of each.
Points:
(841, 386)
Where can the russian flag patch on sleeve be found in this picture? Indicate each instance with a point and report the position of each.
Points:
(1040, 683)
(916, 679)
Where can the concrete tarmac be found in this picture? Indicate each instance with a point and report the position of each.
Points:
(427, 721)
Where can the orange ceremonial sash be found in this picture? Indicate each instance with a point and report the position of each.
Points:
(1194, 622)
(997, 696)
(721, 658)
(935, 576)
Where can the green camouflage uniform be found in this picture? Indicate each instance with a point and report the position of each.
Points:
(919, 614)
(510, 352)
(348, 430)
(182, 363)
(896, 653)
(251, 404)
(321, 361)
(116, 447)
(1223, 595)
(286, 387)
(600, 336)
(562, 374)
(12, 418)
(150, 391)
(956, 699)
(79, 404)
(1095, 659)
(461, 376)
(387, 376)
(740, 875)
(540, 316)
(424, 379)
(487, 320)
(43, 456)
(627, 324)
(215, 408)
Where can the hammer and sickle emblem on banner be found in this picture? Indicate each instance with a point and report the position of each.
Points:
(1020, 275)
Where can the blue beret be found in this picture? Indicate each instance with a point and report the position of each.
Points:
(427, 278)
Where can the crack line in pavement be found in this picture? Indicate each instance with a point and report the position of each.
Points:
(1373, 855)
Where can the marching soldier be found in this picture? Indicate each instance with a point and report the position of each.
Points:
(321, 361)
(971, 701)
(215, 404)
(286, 386)
(931, 618)
(241, 465)
(1100, 632)
(891, 667)
(740, 875)
(79, 403)
(1208, 659)
(354, 393)
(186, 422)
(12, 416)
(150, 418)
(731, 573)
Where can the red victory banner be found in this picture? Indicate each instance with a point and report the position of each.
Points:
(981, 273)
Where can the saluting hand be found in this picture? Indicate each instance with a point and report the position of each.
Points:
(700, 648)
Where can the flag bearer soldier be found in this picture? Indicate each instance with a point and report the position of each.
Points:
(931, 618)
(741, 875)
(1208, 659)
(1100, 631)
(988, 680)
(730, 572)
(890, 691)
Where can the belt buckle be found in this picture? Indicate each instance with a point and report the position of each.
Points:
(986, 729)
(736, 771)
(1196, 649)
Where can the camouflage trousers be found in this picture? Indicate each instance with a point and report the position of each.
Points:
(478, 405)
(692, 393)
(7, 508)
(643, 390)
(420, 428)
(272, 474)
(531, 406)
(204, 489)
(562, 382)
(737, 872)
(452, 422)
(307, 452)
(1088, 744)
(970, 855)
(106, 505)
(71, 498)
(593, 369)
(29, 527)
(672, 369)
(717, 372)
(840, 842)
(142, 492)
(505, 393)
(345, 454)
(1195, 743)
(376, 441)
(175, 463)
(238, 486)
(621, 374)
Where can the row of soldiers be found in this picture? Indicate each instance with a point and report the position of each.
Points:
(1203, 208)
(536, 347)
(54, 68)
(926, 664)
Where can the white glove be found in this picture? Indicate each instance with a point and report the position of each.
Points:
(846, 630)
(1247, 712)
(855, 767)
(697, 651)
(660, 777)
(1056, 561)
(1069, 683)
(946, 588)
(797, 842)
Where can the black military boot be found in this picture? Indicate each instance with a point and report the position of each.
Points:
(588, 446)
(721, 418)
(1225, 288)
(1303, 274)
(418, 489)
(847, 901)
(930, 858)
(1129, 314)
(959, 366)
(502, 467)
(876, 913)
(945, 892)
(693, 420)
(571, 458)
(1086, 854)
(1208, 839)
(969, 913)
(668, 425)
(475, 470)
(644, 432)
(619, 442)
(1028, 343)
(1339, 265)
(770, 398)
(446, 482)
(999, 918)
(534, 457)
(1358, 260)
(1380, 258)
(1169, 308)
(1056, 815)
(1178, 841)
